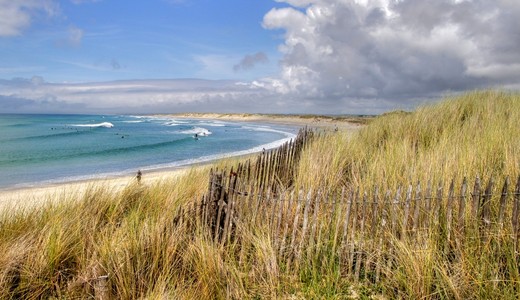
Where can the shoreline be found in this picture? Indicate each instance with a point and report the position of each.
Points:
(323, 122)
(32, 196)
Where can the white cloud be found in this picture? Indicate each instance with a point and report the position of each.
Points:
(36, 95)
(342, 51)
(17, 15)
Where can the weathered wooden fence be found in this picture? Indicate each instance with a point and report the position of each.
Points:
(356, 229)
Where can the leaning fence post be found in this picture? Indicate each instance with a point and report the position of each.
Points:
(101, 288)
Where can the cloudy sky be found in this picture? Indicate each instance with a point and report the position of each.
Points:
(284, 56)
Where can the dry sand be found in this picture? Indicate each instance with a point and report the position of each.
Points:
(36, 196)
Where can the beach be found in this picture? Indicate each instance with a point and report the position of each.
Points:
(29, 197)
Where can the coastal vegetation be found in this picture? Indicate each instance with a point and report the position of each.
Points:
(146, 242)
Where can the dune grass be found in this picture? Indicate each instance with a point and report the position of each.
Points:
(62, 248)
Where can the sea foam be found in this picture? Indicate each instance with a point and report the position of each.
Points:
(104, 124)
(197, 130)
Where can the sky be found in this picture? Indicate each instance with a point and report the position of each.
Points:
(284, 56)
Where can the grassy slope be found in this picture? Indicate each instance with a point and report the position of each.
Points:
(57, 250)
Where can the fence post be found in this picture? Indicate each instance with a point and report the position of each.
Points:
(516, 212)
(286, 227)
(393, 211)
(353, 232)
(338, 222)
(438, 201)
(485, 209)
(462, 207)
(294, 229)
(304, 226)
(503, 198)
(476, 198)
(417, 209)
(346, 225)
(406, 212)
(221, 203)
(312, 224)
(101, 289)
(428, 198)
(449, 207)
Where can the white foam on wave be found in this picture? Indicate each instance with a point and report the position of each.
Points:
(104, 124)
(212, 124)
(174, 123)
(136, 121)
(268, 129)
(196, 130)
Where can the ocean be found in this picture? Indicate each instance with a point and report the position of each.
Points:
(45, 149)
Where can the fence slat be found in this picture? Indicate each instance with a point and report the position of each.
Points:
(281, 248)
(462, 207)
(428, 200)
(393, 211)
(437, 202)
(353, 239)
(406, 212)
(295, 226)
(516, 212)
(485, 207)
(305, 224)
(416, 212)
(362, 239)
(449, 208)
(476, 198)
(503, 199)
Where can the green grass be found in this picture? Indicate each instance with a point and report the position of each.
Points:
(58, 250)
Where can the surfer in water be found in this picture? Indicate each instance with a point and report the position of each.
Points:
(196, 136)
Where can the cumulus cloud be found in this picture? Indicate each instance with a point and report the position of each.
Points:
(249, 61)
(15, 16)
(348, 51)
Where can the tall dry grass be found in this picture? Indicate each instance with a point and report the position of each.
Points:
(61, 249)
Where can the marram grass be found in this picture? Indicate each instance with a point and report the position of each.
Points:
(60, 249)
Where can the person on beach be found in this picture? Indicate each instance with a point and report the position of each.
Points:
(138, 176)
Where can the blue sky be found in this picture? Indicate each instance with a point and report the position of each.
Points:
(283, 56)
(118, 39)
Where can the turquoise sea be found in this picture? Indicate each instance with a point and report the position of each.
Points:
(44, 149)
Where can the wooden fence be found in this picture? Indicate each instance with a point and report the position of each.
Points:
(358, 230)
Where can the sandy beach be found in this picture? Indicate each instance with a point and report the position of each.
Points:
(346, 123)
(24, 198)
(36, 196)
